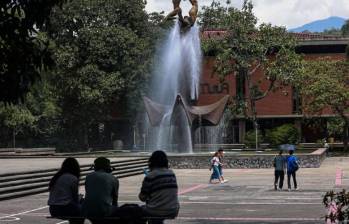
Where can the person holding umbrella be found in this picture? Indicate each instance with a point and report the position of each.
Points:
(279, 164)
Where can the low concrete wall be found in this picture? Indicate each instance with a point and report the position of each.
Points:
(240, 161)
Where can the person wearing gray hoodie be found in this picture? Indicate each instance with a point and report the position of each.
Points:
(280, 166)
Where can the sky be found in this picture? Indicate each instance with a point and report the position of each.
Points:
(289, 13)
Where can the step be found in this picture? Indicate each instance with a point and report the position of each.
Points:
(23, 193)
(119, 163)
(51, 173)
(45, 182)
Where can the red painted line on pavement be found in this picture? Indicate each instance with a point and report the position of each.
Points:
(339, 174)
(248, 219)
(196, 187)
(238, 171)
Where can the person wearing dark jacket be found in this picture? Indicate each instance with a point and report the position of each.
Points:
(279, 172)
(292, 167)
(101, 191)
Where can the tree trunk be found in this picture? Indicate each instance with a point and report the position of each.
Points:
(346, 134)
(86, 143)
(253, 107)
(14, 138)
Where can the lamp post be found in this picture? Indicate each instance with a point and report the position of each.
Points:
(256, 127)
(134, 137)
(143, 135)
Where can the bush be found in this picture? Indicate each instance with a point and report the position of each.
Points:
(284, 134)
(337, 204)
(250, 138)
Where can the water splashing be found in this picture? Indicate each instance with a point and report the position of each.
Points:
(178, 70)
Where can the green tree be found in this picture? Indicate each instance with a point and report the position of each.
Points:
(323, 85)
(332, 31)
(284, 134)
(23, 54)
(41, 101)
(247, 48)
(345, 28)
(103, 55)
(36, 120)
(16, 118)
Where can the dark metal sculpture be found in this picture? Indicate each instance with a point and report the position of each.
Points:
(186, 21)
(208, 115)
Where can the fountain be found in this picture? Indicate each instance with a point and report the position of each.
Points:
(175, 89)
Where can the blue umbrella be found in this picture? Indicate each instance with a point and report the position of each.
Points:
(287, 147)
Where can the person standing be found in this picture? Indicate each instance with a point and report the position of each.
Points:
(292, 167)
(101, 191)
(63, 192)
(280, 166)
(220, 166)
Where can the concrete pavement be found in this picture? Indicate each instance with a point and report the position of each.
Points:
(248, 197)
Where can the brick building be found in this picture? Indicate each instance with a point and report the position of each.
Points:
(278, 107)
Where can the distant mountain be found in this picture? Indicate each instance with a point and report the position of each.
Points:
(321, 25)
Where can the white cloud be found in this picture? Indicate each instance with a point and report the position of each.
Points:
(289, 13)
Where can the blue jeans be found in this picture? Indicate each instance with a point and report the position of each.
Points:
(215, 173)
(220, 170)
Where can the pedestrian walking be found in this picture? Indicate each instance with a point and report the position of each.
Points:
(292, 167)
(215, 176)
(279, 164)
(220, 166)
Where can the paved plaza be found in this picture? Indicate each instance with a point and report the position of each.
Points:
(248, 197)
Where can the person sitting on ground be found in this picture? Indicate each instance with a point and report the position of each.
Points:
(280, 166)
(159, 190)
(220, 167)
(292, 167)
(101, 191)
(216, 175)
(64, 192)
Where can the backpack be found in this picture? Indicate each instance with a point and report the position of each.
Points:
(296, 165)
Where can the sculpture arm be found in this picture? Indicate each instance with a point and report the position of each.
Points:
(176, 10)
(193, 13)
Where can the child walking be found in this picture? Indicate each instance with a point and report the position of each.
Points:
(216, 176)
(220, 167)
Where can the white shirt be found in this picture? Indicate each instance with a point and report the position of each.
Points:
(215, 161)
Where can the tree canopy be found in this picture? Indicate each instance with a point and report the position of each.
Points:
(23, 54)
(103, 56)
(325, 85)
(248, 47)
(345, 28)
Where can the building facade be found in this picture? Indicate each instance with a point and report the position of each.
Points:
(283, 105)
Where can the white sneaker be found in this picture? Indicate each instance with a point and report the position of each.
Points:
(225, 181)
(289, 189)
(296, 189)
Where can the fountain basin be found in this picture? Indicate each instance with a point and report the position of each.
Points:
(241, 160)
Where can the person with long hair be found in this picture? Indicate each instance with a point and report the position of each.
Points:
(64, 192)
(216, 175)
